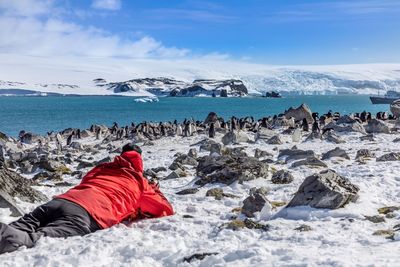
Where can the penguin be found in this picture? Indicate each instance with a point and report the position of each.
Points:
(304, 125)
(315, 127)
(69, 139)
(211, 130)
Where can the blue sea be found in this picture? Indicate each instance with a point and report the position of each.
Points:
(43, 114)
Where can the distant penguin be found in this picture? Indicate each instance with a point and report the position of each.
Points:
(315, 127)
(69, 139)
(211, 131)
(179, 131)
(363, 116)
(304, 125)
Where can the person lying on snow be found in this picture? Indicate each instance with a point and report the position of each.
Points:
(108, 194)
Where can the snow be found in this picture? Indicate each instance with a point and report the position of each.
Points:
(56, 74)
(339, 237)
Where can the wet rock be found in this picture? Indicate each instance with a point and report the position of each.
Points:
(389, 157)
(303, 228)
(228, 169)
(364, 154)
(275, 140)
(282, 177)
(254, 203)
(188, 191)
(198, 256)
(337, 152)
(235, 137)
(377, 126)
(326, 190)
(311, 161)
(218, 194)
(13, 186)
(295, 154)
(300, 113)
(258, 153)
(375, 218)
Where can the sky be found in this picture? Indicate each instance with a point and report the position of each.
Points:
(276, 32)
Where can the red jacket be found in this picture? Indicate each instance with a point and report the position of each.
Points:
(112, 192)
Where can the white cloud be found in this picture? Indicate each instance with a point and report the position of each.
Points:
(28, 27)
(107, 4)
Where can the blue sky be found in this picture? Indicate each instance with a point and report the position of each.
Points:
(268, 31)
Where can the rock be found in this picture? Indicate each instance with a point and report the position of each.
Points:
(253, 203)
(275, 140)
(192, 153)
(283, 122)
(235, 137)
(198, 256)
(326, 190)
(258, 153)
(178, 173)
(346, 119)
(86, 134)
(215, 149)
(188, 191)
(375, 218)
(364, 153)
(264, 134)
(234, 152)
(159, 169)
(300, 113)
(386, 210)
(395, 108)
(76, 145)
(204, 144)
(303, 228)
(26, 167)
(368, 137)
(295, 154)
(337, 152)
(282, 177)
(377, 126)
(176, 165)
(346, 127)
(333, 138)
(211, 117)
(389, 234)
(218, 194)
(228, 169)
(313, 136)
(149, 174)
(186, 160)
(13, 186)
(389, 157)
(85, 164)
(105, 160)
(311, 161)
(247, 223)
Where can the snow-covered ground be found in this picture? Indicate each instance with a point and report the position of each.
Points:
(75, 76)
(341, 237)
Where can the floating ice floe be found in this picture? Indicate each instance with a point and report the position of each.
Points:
(147, 100)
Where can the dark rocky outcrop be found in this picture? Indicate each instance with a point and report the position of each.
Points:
(300, 113)
(326, 190)
(336, 152)
(282, 177)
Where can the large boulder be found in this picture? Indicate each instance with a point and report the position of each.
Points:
(228, 169)
(264, 134)
(337, 152)
(345, 127)
(377, 126)
(300, 113)
(395, 108)
(326, 190)
(234, 137)
(393, 156)
(311, 162)
(13, 185)
(254, 202)
(282, 177)
(295, 154)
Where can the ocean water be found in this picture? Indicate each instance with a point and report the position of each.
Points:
(43, 114)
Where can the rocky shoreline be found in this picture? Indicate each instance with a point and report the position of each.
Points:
(300, 157)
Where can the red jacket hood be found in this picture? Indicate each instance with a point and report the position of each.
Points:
(134, 158)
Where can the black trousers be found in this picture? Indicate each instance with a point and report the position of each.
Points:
(57, 218)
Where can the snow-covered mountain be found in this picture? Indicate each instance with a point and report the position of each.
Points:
(100, 76)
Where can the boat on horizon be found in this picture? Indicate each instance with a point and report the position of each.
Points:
(388, 98)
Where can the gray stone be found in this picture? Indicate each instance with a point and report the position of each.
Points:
(333, 138)
(186, 160)
(188, 191)
(176, 165)
(76, 145)
(395, 108)
(300, 113)
(375, 218)
(303, 228)
(295, 154)
(377, 126)
(337, 152)
(275, 140)
(311, 161)
(235, 137)
(228, 169)
(258, 153)
(368, 137)
(215, 149)
(264, 134)
(13, 185)
(192, 153)
(218, 194)
(314, 136)
(346, 127)
(282, 177)
(253, 203)
(178, 173)
(389, 157)
(326, 190)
